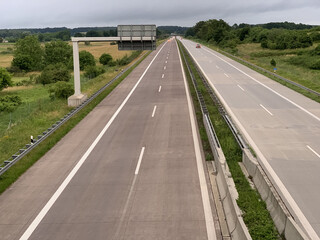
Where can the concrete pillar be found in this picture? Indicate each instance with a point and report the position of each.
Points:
(76, 99)
(76, 68)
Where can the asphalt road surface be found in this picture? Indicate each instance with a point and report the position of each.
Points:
(132, 169)
(281, 125)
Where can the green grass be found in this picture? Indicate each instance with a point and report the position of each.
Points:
(255, 213)
(20, 167)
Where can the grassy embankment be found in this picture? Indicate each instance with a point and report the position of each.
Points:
(20, 167)
(38, 112)
(255, 213)
(292, 64)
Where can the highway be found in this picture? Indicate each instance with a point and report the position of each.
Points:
(282, 126)
(131, 169)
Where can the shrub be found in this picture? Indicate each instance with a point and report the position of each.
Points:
(105, 59)
(86, 59)
(5, 78)
(273, 62)
(60, 90)
(9, 103)
(57, 52)
(93, 71)
(315, 65)
(54, 73)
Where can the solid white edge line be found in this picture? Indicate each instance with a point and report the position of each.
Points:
(139, 161)
(317, 154)
(266, 109)
(159, 89)
(262, 84)
(162, 76)
(289, 199)
(202, 179)
(73, 172)
(241, 87)
(154, 111)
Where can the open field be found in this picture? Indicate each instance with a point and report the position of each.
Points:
(98, 48)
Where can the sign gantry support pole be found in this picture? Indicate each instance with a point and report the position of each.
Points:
(77, 98)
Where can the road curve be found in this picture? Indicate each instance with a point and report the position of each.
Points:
(132, 169)
(281, 125)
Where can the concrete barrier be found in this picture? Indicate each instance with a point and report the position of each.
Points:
(278, 211)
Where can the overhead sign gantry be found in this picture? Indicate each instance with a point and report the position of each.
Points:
(130, 37)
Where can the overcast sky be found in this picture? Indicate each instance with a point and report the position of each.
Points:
(83, 13)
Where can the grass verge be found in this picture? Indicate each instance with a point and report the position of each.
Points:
(255, 213)
(20, 167)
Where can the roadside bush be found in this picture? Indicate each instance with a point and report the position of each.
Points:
(5, 79)
(61, 90)
(86, 59)
(9, 103)
(54, 73)
(316, 51)
(315, 65)
(105, 59)
(93, 71)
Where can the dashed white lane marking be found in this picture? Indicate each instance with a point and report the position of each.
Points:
(317, 154)
(165, 67)
(240, 87)
(139, 161)
(304, 222)
(269, 88)
(166, 61)
(154, 111)
(73, 172)
(227, 75)
(162, 76)
(217, 67)
(159, 89)
(266, 109)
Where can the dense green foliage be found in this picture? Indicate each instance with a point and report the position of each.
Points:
(61, 90)
(28, 54)
(54, 73)
(5, 79)
(86, 59)
(271, 36)
(93, 71)
(105, 59)
(9, 103)
(57, 52)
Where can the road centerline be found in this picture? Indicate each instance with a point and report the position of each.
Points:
(240, 87)
(73, 172)
(139, 161)
(310, 148)
(154, 110)
(266, 109)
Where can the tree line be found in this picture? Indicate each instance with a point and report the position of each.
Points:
(272, 36)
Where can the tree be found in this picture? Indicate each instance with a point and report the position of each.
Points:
(105, 59)
(78, 34)
(93, 33)
(28, 54)
(86, 59)
(5, 79)
(57, 52)
(54, 73)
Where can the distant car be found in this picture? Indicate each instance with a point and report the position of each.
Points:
(198, 45)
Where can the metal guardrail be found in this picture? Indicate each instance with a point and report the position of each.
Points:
(28, 147)
(271, 73)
